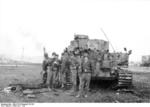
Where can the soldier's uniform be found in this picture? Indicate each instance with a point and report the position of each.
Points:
(62, 73)
(45, 68)
(85, 77)
(73, 68)
(55, 70)
(50, 75)
(64, 68)
(79, 60)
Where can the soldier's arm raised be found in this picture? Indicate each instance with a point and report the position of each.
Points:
(44, 50)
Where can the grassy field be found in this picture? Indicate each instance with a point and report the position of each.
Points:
(31, 74)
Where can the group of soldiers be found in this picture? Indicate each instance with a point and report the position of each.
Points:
(77, 64)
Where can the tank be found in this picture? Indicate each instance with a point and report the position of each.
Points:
(107, 66)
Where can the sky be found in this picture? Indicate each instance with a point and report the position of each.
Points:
(30, 25)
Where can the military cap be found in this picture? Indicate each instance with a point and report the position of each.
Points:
(54, 53)
(85, 54)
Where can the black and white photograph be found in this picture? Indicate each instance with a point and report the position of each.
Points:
(74, 51)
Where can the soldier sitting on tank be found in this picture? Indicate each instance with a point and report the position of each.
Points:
(85, 76)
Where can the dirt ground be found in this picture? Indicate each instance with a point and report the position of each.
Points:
(31, 74)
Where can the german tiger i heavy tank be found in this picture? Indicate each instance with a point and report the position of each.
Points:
(107, 66)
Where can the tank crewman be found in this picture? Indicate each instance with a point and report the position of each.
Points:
(98, 66)
(64, 67)
(51, 72)
(55, 69)
(73, 68)
(61, 69)
(58, 77)
(78, 56)
(44, 68)
(85, 76)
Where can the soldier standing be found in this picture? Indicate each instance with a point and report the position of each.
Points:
(85, 76)
(52, 68)
(45, 67)
(73, 68)
(64, 68)
(55, 69)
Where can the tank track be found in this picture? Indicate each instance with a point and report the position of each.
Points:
(124, 78)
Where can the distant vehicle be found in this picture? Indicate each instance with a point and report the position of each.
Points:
(107, 66)
(146, 61)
